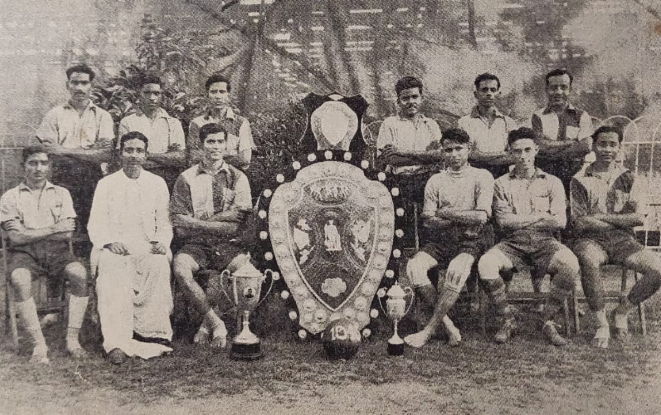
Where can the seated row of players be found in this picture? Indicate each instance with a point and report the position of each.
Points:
(529, 207)
(131, 227)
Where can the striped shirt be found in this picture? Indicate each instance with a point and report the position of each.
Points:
(571, 124)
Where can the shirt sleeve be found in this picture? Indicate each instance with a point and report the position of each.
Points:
(501, 204)
(178, 134)
(484, 192)
(47, 131)
(242, 197)
(431, 198)
(558, 199)
(181, 202)
(436, 133)
(10, 217)
(578, 199)
(385, 137)
(246, 141)
(585, 126)
(106, 126)
(68, 211)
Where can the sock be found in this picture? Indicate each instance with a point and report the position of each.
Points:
(622, 313)
(495, 289)
(601, 319)
(27, 310)
(77, 308)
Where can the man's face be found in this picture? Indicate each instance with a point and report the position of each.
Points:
(409, 101)
(558, 89)
(219, 95)
(524, 152)
(134, 153)
(150, 96)
(487, 93)
(456, 153)
(79, 86)
(606, 147)
(215, 146)
(36, 167)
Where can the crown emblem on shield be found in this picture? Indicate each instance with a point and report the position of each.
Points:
(332, 225)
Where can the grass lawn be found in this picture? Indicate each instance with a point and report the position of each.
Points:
(525, 376)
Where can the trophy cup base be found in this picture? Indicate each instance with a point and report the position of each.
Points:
(395, 349)
(242, 351)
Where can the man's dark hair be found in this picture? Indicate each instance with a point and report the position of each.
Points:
(133, 135)
(608, 129)
(486, 77)
(151, 79)
(211, 128)
(408, 82)
(457, 135)
(82, 68)
(520, 134)
(217, 78)
(36, 149)
(559, 72)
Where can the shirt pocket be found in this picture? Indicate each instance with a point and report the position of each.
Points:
(619, 199)
(56, 210)
(539, 202)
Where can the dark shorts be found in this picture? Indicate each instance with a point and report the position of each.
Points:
(531, 249)
(44, 258)
(444, 248)
(211, 256)
(618, 245)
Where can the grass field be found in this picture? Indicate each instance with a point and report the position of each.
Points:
(523, 377)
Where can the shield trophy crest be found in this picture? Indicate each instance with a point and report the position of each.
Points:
(332, 228)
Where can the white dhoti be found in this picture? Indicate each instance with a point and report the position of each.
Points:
(134, 295)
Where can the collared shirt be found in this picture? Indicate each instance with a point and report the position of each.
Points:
(131, 211)
(469, 189)
(64, 126)
(619, 191)
(24, 208)
(543, 193)
(162, 132)
(406, 134)
(199, 192)
(489, 137)
(571, 124)
(239, 135)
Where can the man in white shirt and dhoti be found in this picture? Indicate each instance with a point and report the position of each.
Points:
(131, 232)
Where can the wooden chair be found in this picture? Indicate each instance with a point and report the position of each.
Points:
(49, 296)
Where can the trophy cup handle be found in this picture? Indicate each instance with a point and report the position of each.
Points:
(225, 278)
(409, 291)
(270, 287)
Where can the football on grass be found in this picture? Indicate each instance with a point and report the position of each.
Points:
(341, 339)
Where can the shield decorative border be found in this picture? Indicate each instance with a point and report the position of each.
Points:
(342, 276)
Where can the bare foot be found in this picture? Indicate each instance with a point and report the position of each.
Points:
(201, 337)
(601, 337)
(418, 339)
(40, 355)
(218, 342)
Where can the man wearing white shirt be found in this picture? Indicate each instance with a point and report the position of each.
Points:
(131, 232)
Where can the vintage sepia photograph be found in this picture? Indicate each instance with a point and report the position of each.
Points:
(330, 207)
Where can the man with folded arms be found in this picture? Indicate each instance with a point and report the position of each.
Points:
(131, 232)
(38, 218)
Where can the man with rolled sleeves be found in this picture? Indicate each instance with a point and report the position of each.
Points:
(209, 207)
(607, 202)
(530, 206)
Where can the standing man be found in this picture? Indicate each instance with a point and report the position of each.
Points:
(165, 135)
(39, 219)
(210, 202)
(82, 133)
(456, 210)
(564, 131)
(530, 206)
(607, 202)
(240, 143)
(488, 127)
(131, 232)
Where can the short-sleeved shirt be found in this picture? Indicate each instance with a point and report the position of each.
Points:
(162, 132)
(487, 137)
(24, 208)
(64, 126)
(406, 134)
(239, 135)
(199, 192)
(613, 192)
(571, 124)
(543, 193)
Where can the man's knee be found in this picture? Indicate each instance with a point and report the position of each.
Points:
(565, 269)
(416, 271)
(458, 271)
(184, 266)
(489, 266)
(589, 257)
(21, 282)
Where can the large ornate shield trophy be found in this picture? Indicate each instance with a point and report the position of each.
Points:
(332, 227)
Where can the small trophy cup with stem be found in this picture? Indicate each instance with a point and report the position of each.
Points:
(396, 309)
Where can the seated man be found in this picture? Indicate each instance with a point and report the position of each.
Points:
(131, 232)
(39, 219)
(529, 206)
(606, 204)
(209, 203)
(457, 207)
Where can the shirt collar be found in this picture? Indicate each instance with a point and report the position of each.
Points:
(418, 118)
(570, 108)
(475, 113)
(160, 113)
(539, 173)
(202, 170)
(90, 105)
(589, 171)
(24, 186)
(227, 113)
